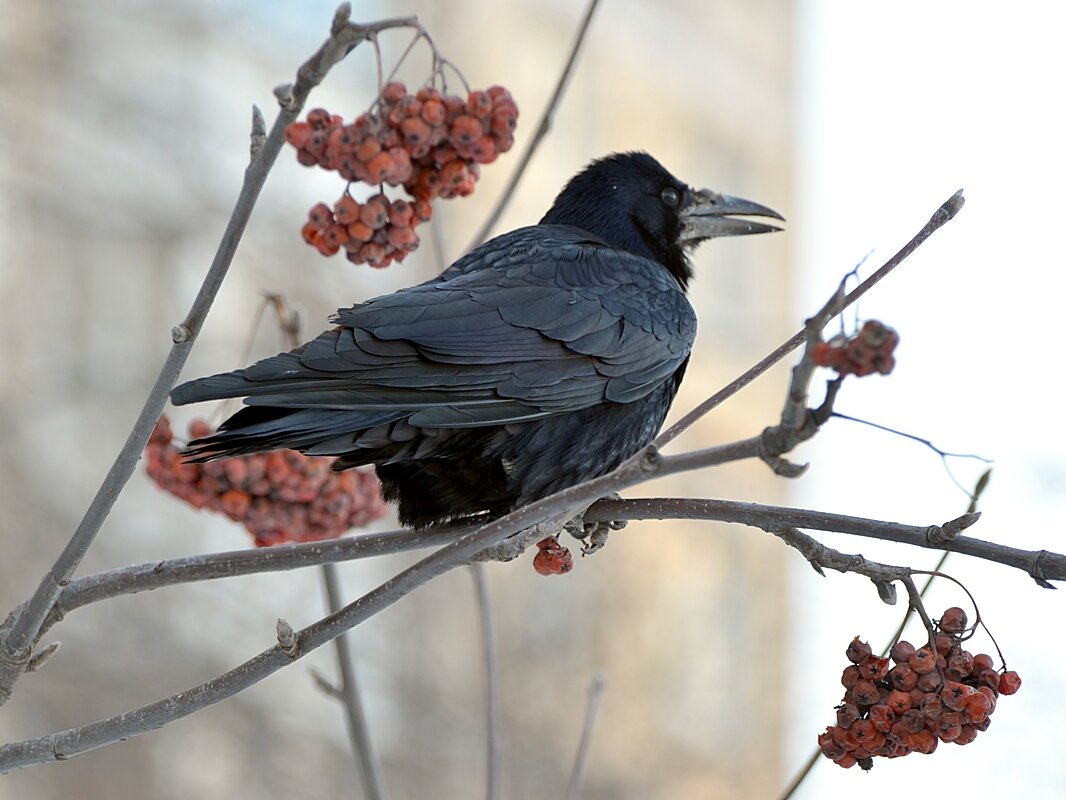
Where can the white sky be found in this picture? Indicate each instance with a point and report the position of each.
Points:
(901, 104)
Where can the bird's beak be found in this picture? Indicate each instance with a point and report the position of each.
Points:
(707, 214)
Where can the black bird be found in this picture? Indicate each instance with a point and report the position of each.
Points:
(541, 359)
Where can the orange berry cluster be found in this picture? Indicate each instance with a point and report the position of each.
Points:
(920, 700)
(868, 351)
(552, 558)
(281, 496)
(430, 144)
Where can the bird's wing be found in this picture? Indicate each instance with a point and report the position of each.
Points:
(541, 321)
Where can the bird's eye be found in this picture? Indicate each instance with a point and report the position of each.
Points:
(670, 196)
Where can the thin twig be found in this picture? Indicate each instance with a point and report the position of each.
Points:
(592, 710)
(947, 211)
(492, 691)
(348, 693)
(543, 127)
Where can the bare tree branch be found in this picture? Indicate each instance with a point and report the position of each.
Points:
(946, 212)
(158, 574)
(492, 691)
(596, 689)
(16, 643)
(351, 698)
(543, 127)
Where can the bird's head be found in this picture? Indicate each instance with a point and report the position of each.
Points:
(633, 203)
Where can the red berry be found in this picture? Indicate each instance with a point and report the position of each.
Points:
(433, 112)
(346, 210)
(954, 619)
(1009, 682)
(899, 702)
(851, 676)
(976, 708)
(901, 651)
(375, 212)
(367, 149)
(297, 134)
(320, 215)
(552, 558)
(858, 651)
(379, 168)
(883, 717)
(981, 662)
(875, 668)
(903, 677)
(948, 726)
(932, 706)
(465, 131)
(847, 713)
(393, 92)
(922, 661)
(865, 692)
(955, 694)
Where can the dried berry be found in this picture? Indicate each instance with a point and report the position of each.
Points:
(406, 142)
(929, 696)
(279, 497)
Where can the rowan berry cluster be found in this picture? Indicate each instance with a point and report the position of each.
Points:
(281, 496)
(868, 351)
(552, 558)
(915, 701)
(430, 144)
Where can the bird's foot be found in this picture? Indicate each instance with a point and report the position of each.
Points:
(593, 535)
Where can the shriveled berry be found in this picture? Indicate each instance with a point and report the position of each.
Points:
(955, 694)
(873, 667)
(883, 717)
(1009, 682)
(552, 558)
(922, 661)
(923, 741)
(932, 706)
(945, 642)
(901, 651)
(847, 713)
(948, 726)
(976, 708)
(981, 662)
(899, 702)
(858, 651)
(966, 735)
(865, 692)
(903, 677)
(930, 681)
(953, 620)
(851, 676)
(393, 92)
(913, 720)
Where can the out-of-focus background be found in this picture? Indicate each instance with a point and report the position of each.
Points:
(123, 136)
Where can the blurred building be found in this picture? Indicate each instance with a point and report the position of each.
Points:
(123, 136)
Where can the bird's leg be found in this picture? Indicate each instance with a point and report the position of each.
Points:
(595, 533)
